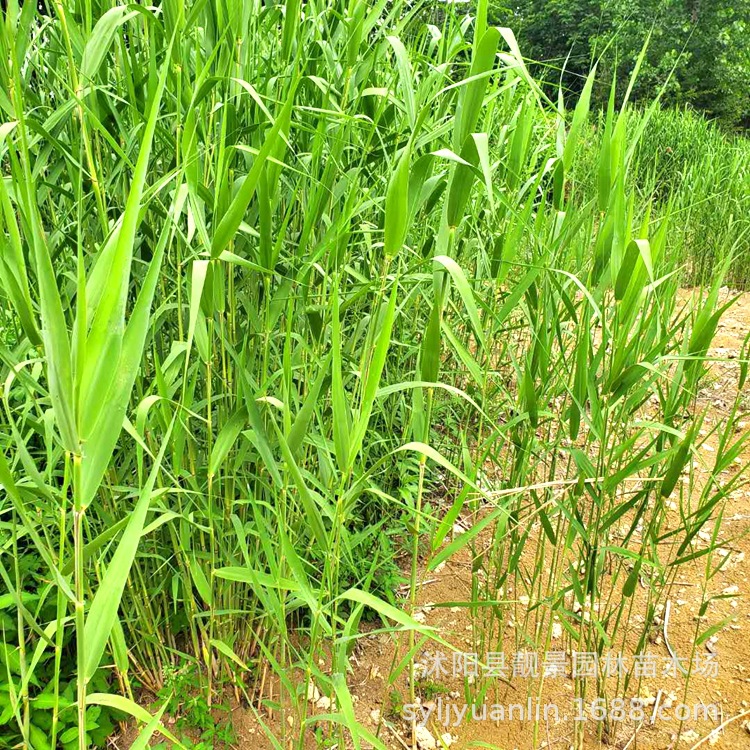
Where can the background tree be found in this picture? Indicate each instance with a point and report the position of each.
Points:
(706, 43)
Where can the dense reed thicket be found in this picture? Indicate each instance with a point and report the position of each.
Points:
(691, 169)
(281, 285)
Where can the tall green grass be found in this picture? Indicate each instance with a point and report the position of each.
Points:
(689, 168)
(265, 269)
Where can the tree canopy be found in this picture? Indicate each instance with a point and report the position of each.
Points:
(705, 44)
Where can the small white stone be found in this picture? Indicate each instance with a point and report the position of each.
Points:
(425, 740)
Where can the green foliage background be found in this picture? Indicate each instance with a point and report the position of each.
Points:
(705, 42)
